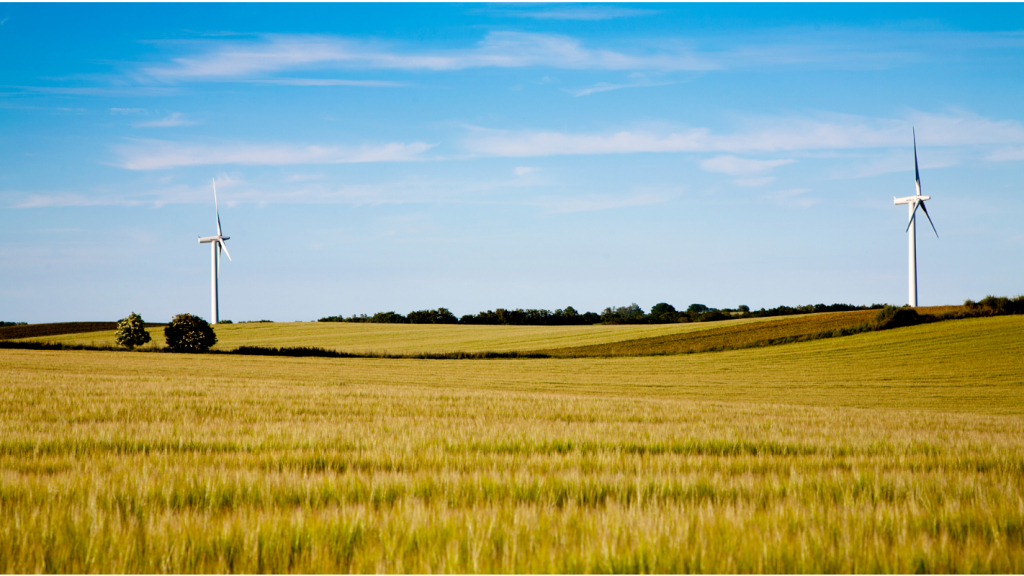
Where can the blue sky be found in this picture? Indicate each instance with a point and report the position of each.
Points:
(475, 156)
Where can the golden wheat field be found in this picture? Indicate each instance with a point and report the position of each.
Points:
(890, 451)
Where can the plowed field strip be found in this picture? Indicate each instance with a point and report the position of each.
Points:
(58, 329)
(777, 331)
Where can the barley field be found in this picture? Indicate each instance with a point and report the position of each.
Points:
(891, 451)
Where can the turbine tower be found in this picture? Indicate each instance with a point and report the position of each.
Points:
(216, 245)
(912, 203)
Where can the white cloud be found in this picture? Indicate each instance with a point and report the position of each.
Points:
(161, 154)
(766, 135)
(175, 119)
(232, 60)
(524, 170)
(737, 166)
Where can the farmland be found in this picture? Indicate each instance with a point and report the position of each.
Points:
(411, 338)
(900, 450)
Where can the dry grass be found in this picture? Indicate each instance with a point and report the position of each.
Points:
(895, 451)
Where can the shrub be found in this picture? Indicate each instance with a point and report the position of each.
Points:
(131, 332)
(188, 333)
(893, 317)
(996, 305)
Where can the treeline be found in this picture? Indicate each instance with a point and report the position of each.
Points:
(662, 313)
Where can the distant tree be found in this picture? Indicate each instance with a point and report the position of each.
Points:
(744, 309)
(439, 316)
(388, 318)
(188, 333)
(697, 309)
(662, 308)
(131, 332)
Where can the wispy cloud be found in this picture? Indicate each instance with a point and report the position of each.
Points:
(740, 166)
(606, 87)
(175, 119)
(96, 91)
(233, 60)
(128, 111)
(331, 82)
(524, 170)
(765, 135)
(592, 203)
(793, 197)
(64, 200)
(1007, 154)
(162, 154)
(754, 182)
(591, 13)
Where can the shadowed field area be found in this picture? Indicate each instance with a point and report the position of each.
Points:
(892, 451)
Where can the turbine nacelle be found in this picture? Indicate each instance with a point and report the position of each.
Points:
(910, 199)
(209, 239)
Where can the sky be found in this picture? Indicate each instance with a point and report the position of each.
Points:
(378, 157)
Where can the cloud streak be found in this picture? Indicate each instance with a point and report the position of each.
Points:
(175, 119)
(161, 154)
(331, 82)
(607, 87)
(233, 60)
(740, 166)
(763, 136)
(586, 13)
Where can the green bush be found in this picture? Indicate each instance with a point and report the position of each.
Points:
(895, 317)
(131, 332)
(188, 333)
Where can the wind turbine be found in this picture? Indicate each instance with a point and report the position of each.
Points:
(216, 245)
(912, 203)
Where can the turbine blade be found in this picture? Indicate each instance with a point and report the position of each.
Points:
(215, 207)
(218, 258)
(923, 207)
(912, 214)
(225, 247)
(917, 173)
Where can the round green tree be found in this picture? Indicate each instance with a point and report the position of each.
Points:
(188, 333)
(131, 332)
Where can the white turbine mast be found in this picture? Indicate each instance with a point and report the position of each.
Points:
(216, 245)
(912, 203)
